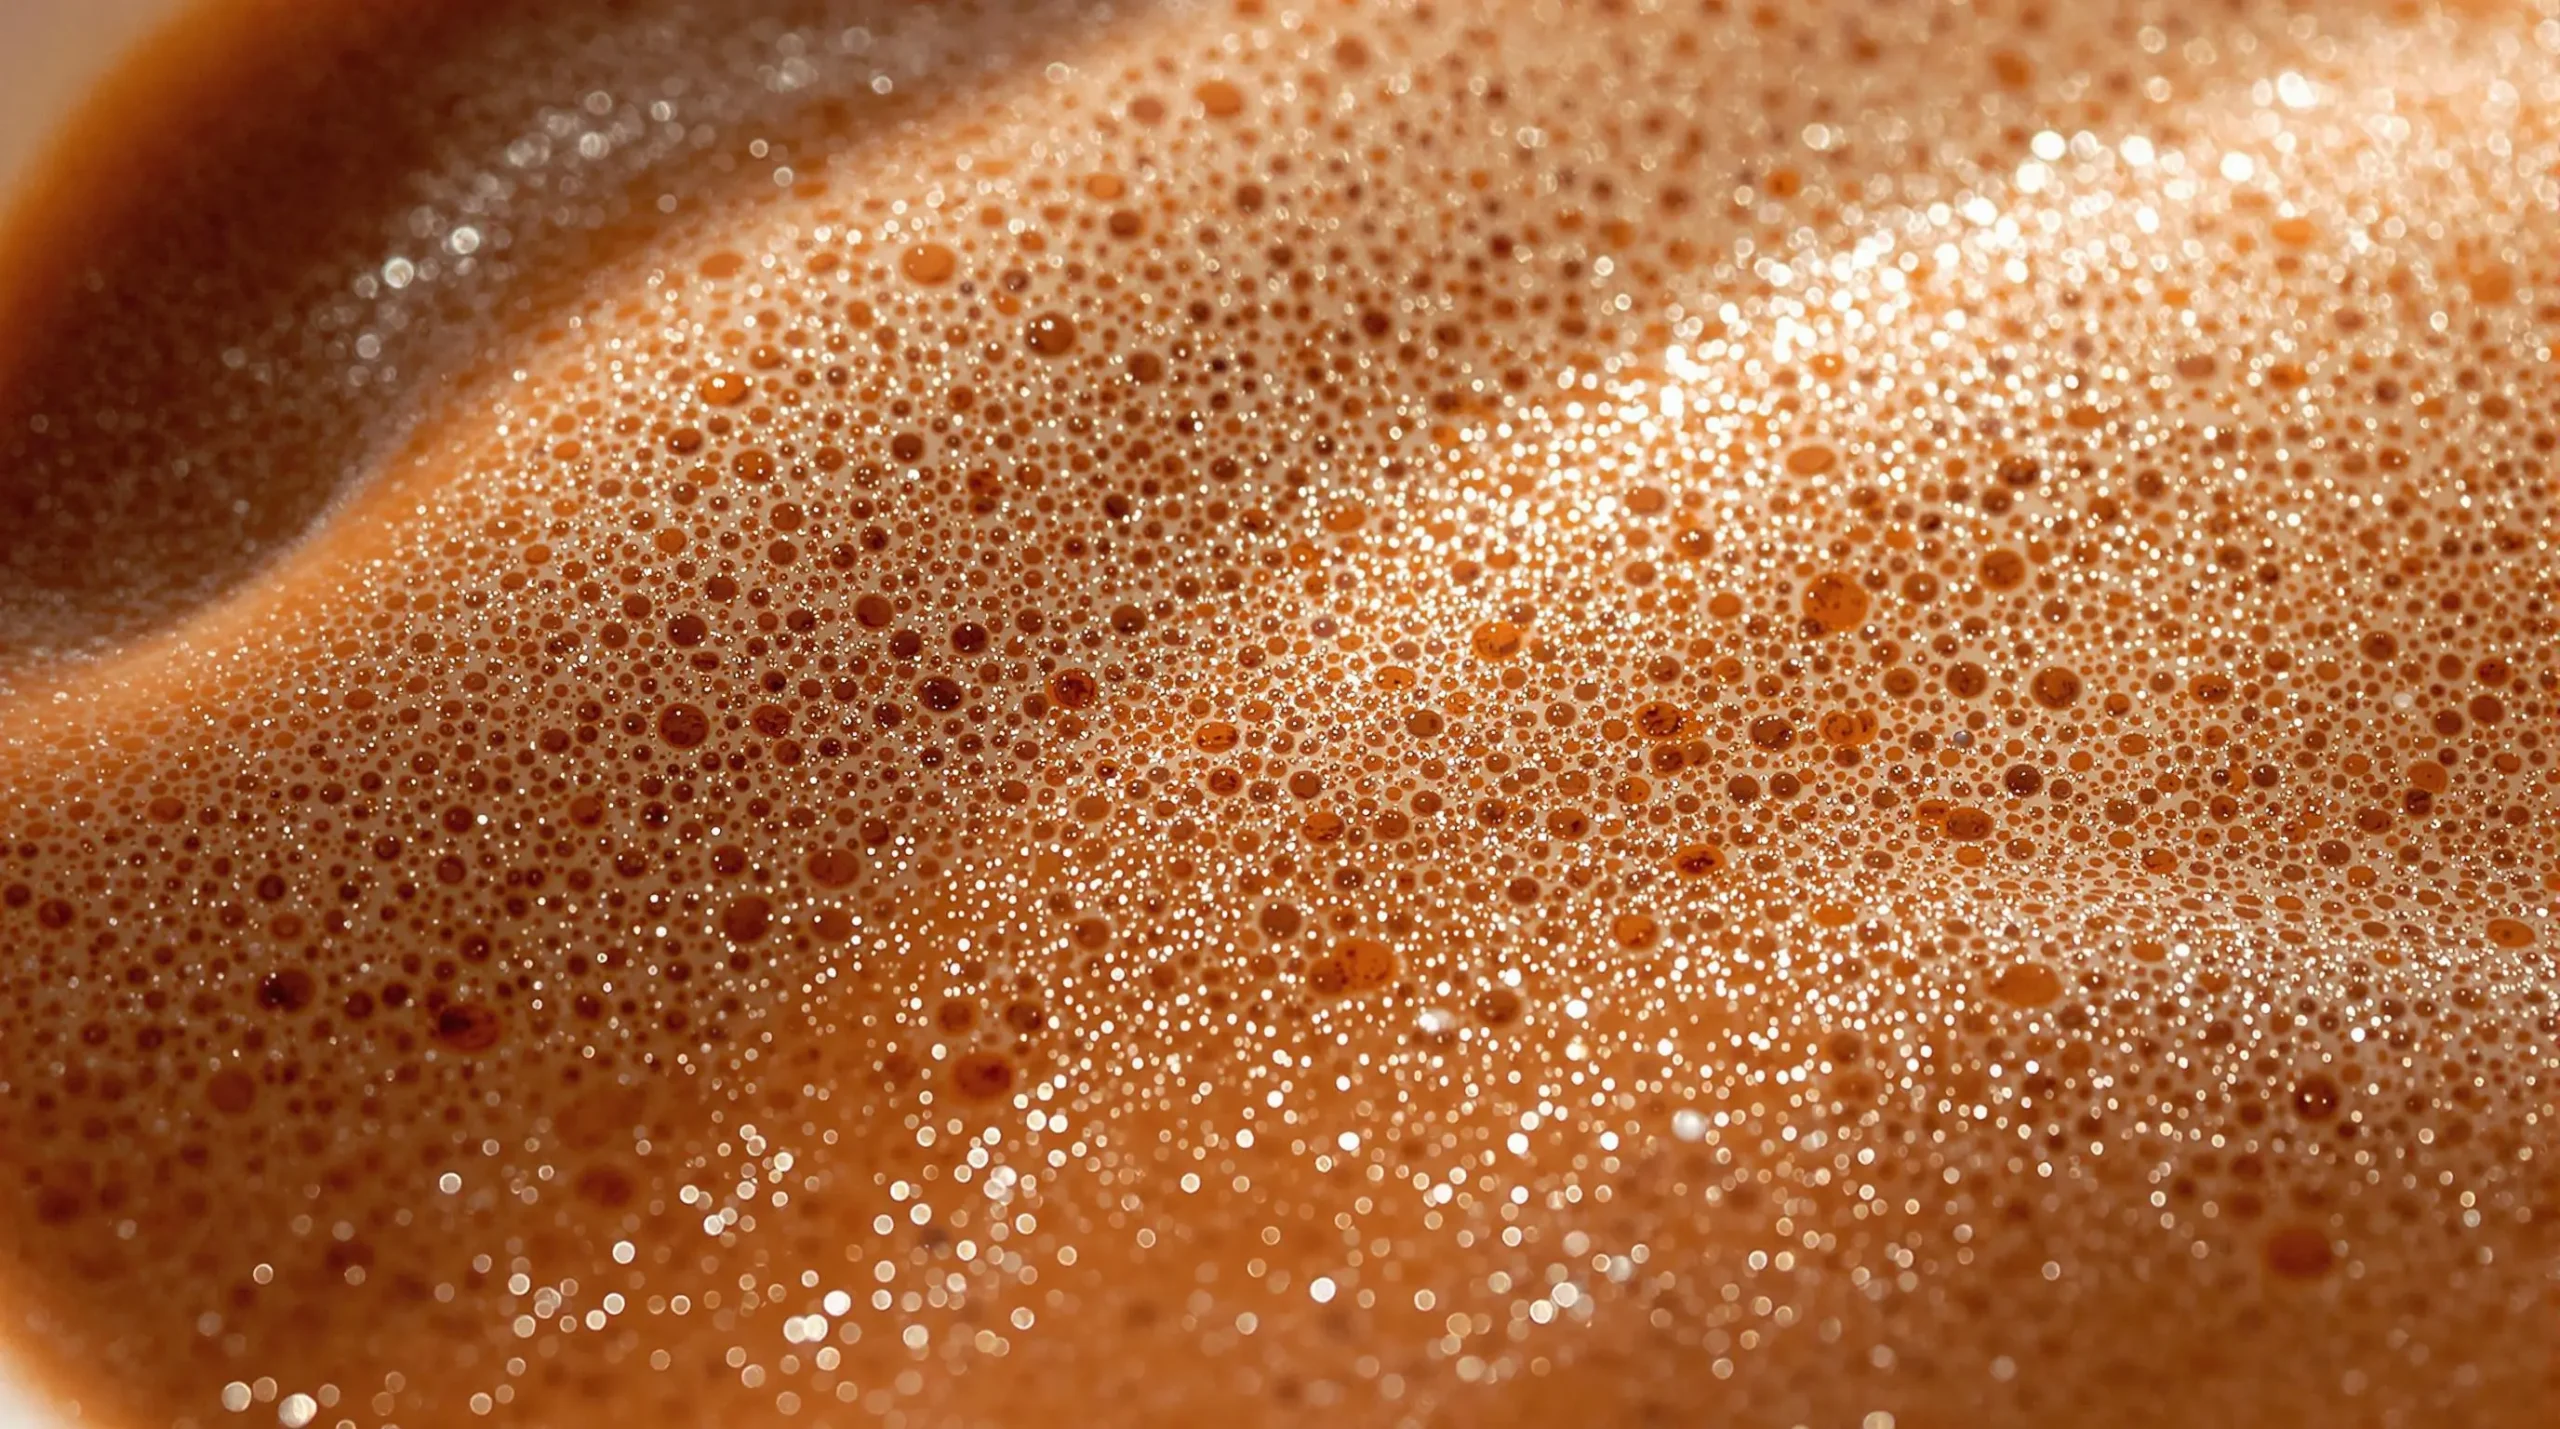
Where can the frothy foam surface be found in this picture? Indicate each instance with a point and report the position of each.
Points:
(1431, 714)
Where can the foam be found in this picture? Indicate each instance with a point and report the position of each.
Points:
(1428, 715)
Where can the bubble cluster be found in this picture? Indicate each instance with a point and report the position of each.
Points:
(1428, 714)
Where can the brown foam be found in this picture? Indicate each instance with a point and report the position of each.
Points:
(1113, 743)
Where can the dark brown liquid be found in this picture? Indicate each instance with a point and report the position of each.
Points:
(838, 713)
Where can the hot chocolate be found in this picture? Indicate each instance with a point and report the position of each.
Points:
(1425, 714)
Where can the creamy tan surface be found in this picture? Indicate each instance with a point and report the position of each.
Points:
(1606, 713)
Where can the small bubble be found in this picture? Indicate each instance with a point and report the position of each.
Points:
(286, 990)
(2055, 688)
(2027, 985)
(1836, 603)
(467, 1027)
(833, 866)
(2315, 1098)
(981, 1076)
(2003, 570)
(683, 726)
(1051, 334)
(1698, 860)
(2299, 1253)
(1496, 640)
(231, 1091)
(1968, 824)
(1660, 719)
(1355, 965)
(1219, 99)
(747, 919)
(929, 263)
(1073, 690)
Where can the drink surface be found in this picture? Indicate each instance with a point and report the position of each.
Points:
(1627, 713)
